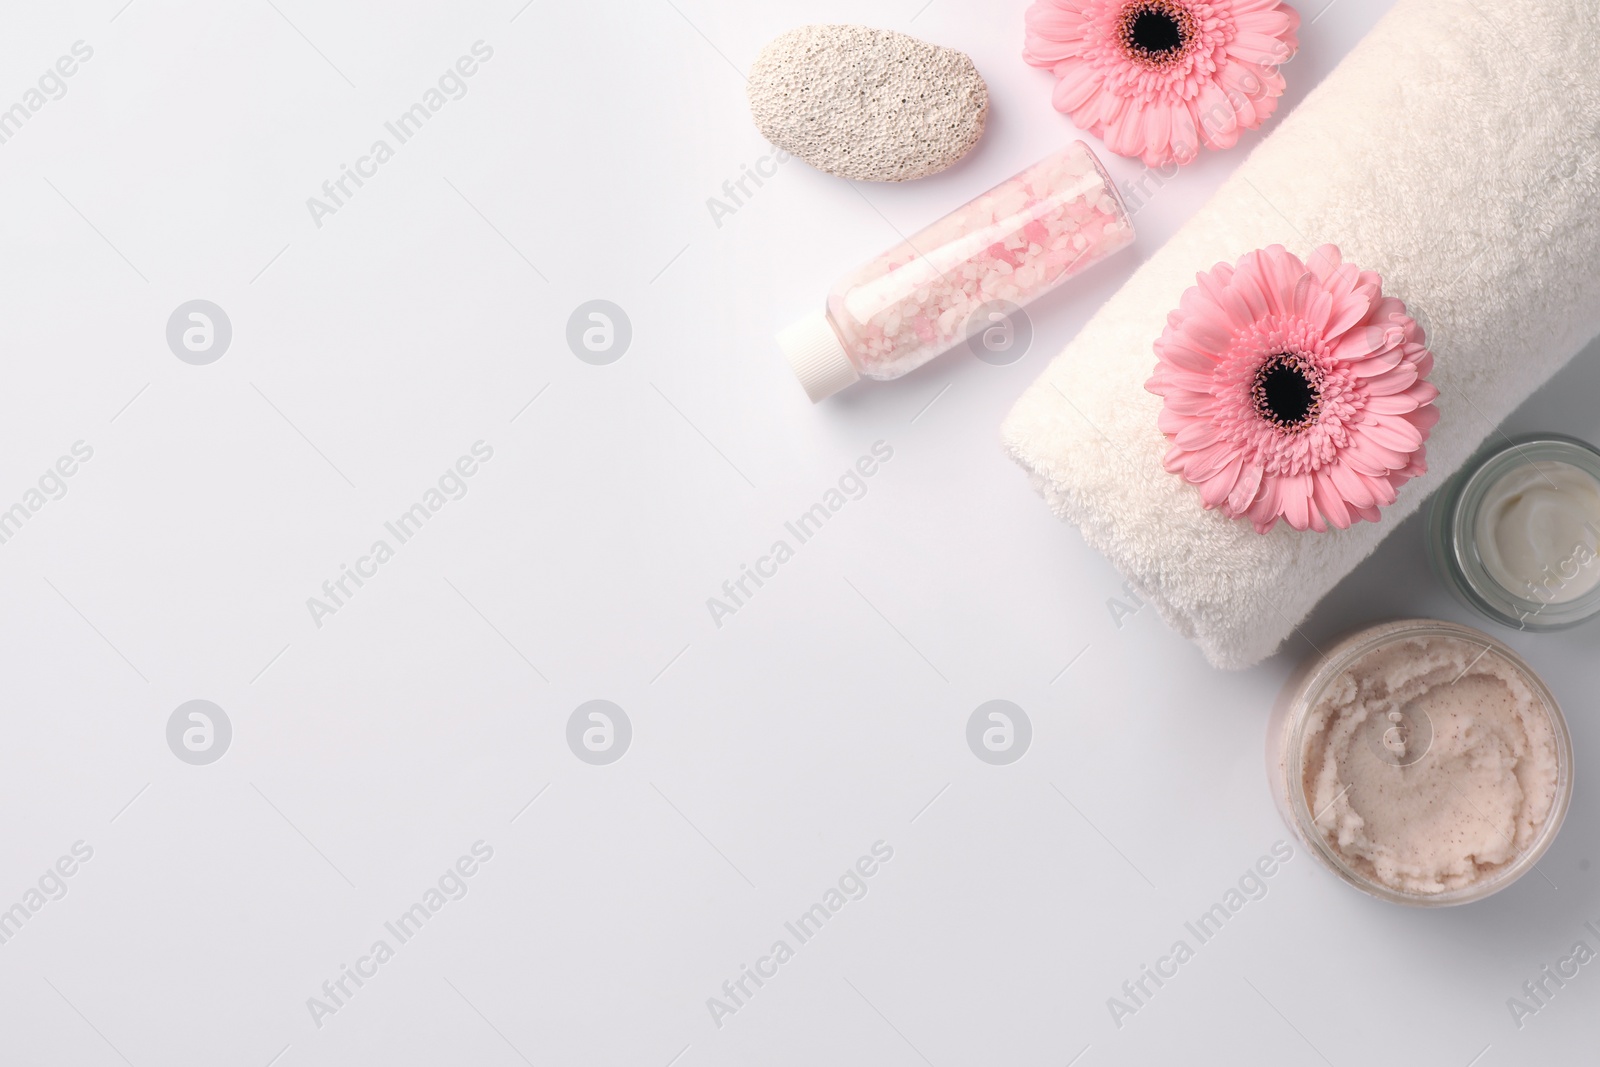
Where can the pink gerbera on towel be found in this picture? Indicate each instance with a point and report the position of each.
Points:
(1157, 78)
(1294, 390)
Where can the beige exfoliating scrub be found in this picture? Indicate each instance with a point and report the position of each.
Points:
(1423, 762)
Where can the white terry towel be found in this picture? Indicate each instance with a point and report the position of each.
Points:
(1455, 151)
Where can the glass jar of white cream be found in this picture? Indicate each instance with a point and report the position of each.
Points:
(1422, 762)
(1516, 535)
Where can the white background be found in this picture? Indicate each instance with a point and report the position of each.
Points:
(768, 754)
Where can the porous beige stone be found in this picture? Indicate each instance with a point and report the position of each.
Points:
(869, 104)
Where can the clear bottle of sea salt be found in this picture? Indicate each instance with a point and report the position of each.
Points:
(1015, 242)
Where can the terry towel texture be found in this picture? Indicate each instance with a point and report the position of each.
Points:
(1455, 151)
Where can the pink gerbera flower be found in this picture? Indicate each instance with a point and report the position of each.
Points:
(1157, 78)
(1294, 390)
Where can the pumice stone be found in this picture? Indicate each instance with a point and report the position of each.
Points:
(873, 105)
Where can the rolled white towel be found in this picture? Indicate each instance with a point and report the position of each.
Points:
(1455, 151)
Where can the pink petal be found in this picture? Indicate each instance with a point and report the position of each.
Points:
(1076, 86)
(1242, 86)
(1157, 135)
(1179, 351)
(1351, 486)
(1423, 393)
(1198, 433)
(1392, 403)
(1208, 330)
(1219, 124)
(1247, 283)
(1318, 309)
(1185, 135)
(1397, 380)
(1282, 271)
(1245, 489)
(1170, 421)
(1329, 500)
(1178, 378)
(1359, 344)
(1055, 22)
(1111, 107)
(1268, 506)
(1371, 458)
(1413, 329)
(1417, 468)
(1296, 495)
(1227, 298)
(1266, 105)
(1202, 464)
(1260, 51)
(1126, 136)
(1181, 402)
(1278, 23)
(1215, 490)
(1198, 299)
(1383, 491)
(1385, 308)
(1424, 419)
(1376, 365)
(1351, 310)
(1324, 262)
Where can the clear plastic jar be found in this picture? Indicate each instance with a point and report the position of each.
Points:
(1422, 762)
(1516, 535)
(966, 272)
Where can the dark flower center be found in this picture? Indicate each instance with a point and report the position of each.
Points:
(1288, 391)
(1156, 33)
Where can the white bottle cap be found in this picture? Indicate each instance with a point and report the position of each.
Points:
(818, 359)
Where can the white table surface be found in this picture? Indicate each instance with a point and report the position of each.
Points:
(768, 754)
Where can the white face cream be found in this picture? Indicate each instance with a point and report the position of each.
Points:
(1537, 530)
(1516, 534)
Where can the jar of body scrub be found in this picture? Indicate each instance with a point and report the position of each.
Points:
(1516, 535)
(1422, 762)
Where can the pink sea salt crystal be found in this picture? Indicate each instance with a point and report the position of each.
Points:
(1013, 243)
